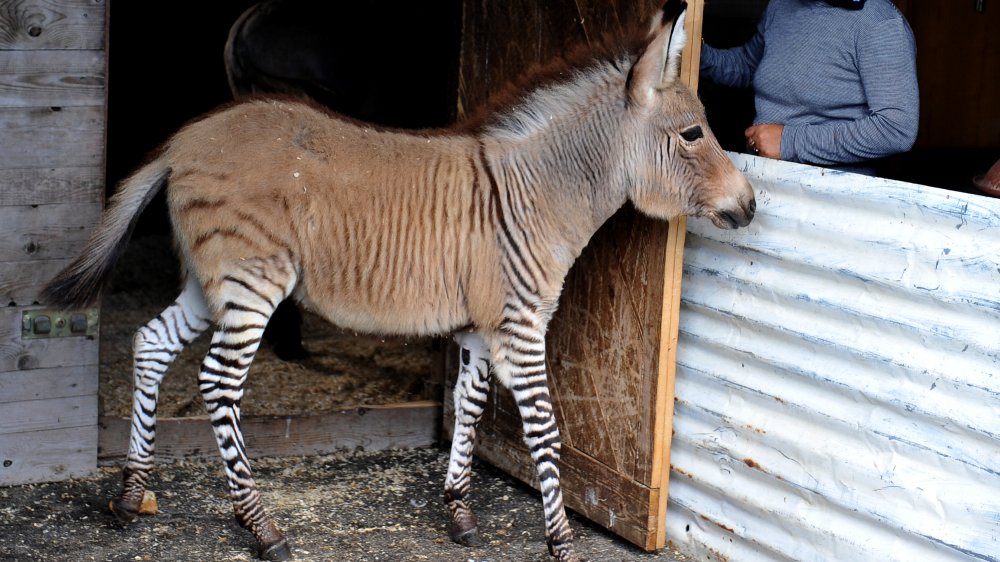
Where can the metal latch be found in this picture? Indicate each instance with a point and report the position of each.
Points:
(39, 324)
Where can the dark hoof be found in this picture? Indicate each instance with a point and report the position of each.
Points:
(123, 510)
(468, 537)
(278, 551)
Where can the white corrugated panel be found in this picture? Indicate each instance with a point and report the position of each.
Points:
(838, 386)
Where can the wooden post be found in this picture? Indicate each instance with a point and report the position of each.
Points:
(673, 272)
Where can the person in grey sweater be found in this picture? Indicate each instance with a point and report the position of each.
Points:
(833, 84)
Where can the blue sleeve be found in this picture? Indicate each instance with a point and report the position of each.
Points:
(734, 67)
(888, 73)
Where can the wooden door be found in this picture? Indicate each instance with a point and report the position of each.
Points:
(958, 67)
(611, 346)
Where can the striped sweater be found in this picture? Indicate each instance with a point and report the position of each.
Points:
(842, 82)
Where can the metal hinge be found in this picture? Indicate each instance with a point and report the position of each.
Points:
(39, 324)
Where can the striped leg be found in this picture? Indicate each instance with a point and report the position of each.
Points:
(523, 371)
(249, 302)
(154, 347)
(471, 392)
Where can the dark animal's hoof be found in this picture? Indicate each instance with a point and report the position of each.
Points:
(468, 537)
(123, 510)
(278, 551)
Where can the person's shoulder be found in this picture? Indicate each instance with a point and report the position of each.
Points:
(877, 11)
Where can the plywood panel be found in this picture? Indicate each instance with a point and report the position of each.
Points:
(52, 24)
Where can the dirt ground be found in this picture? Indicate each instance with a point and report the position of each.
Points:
(357, 507)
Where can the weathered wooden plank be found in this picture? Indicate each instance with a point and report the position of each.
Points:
(51, 137)
(52, 24)
(46, 456)
(370, 428)
(21, 282)
(54, 413)
(45, 232)
(38, 384)
(18, 355)
(42, 186)
(52, 78)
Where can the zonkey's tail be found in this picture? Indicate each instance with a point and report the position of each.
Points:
(82, 281)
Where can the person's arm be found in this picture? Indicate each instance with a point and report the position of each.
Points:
(733, 67)
(887, 67)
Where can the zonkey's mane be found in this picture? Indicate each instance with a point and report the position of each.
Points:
(579, 59)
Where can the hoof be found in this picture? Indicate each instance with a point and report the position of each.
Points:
(123, 510)
(278, 551)
(468, 537)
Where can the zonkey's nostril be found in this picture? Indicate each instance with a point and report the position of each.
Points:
(752, 207)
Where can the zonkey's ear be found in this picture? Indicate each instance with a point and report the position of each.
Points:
(659, 64)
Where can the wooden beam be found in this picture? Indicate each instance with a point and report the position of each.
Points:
(369, 428)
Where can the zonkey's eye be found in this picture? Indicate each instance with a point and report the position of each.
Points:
(692, 134)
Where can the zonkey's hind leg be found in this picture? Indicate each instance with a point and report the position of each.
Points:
(247, 299)
(471, 391)
(154, 347)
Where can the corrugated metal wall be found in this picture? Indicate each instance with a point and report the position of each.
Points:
(838, 387)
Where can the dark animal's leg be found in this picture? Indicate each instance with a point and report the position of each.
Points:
(284, 332)
(154, 347)
(521, 368)
(471, 392)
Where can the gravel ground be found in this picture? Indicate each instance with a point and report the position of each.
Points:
(349, 507)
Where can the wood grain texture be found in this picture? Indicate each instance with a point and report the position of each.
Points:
(45, 232)
(41, 186)
(22, 281)
(369, 428)
(959, 79)
(48, 413)
(45, 456)
(52, 24)
(48, 137)
(39, 384)
(52, 131)
(612, 344)
(52, 78)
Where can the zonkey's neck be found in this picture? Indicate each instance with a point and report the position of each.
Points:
(562, 181)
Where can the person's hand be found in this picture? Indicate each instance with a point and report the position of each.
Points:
(765, 139)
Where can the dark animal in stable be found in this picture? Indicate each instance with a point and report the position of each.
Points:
(470, 231)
